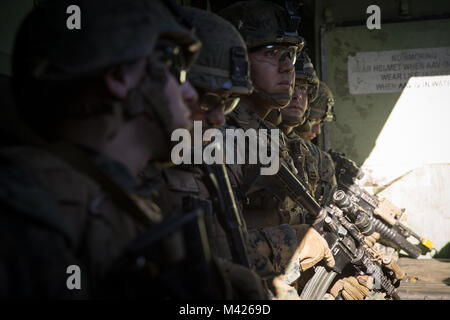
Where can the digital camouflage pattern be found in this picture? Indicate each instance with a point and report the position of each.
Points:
(263, 201)
(321, 173)
(215, 70)
(271, 216)
(302, 159)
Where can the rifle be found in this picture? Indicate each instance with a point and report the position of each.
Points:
(343, 225)
(229, 216)
(383, 214)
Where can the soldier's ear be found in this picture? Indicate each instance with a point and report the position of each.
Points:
(121, 79)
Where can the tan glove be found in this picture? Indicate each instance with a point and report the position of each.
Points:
(353, 288)
(312, 247)
(369, 241)
(391, 264)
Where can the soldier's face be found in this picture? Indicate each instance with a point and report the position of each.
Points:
(293, 113)
(272, 74)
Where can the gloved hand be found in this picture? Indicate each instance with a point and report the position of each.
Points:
(312, 247)
(369, 241)
(391, 264)
(352, 288)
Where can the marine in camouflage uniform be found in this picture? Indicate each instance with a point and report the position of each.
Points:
(71, 200)
(295, 114)
(220, 75)
(320, 166)
(273, 43)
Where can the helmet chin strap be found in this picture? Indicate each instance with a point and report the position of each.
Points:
(272, 98)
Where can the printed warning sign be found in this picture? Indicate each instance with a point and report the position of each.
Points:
(389, 71)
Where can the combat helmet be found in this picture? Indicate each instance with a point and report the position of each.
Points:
(264, 24)
(223, 61)
(323, 106)
(48, 55)
(304, 69)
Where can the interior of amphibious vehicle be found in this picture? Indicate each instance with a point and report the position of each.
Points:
(387, 65)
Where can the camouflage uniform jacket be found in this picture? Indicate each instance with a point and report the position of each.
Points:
(177, 184)
(264, 202)
(262, 205)
(182, 182)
